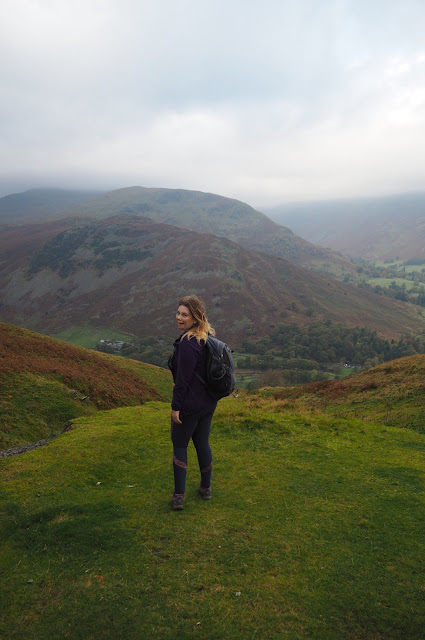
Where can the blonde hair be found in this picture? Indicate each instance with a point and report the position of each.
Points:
(198, 310)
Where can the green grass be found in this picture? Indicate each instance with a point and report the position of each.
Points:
(33, 408)
(400, 266)
(387, 282)
(88, 337)
(315, 531)
(245, 377)
(414, 268)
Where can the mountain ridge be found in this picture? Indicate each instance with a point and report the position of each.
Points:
(205, 212)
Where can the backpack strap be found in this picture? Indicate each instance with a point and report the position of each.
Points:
(204, 382)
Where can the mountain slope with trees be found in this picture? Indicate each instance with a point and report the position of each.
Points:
(126, 273)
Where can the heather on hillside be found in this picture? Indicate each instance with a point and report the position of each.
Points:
(107, 384)
(44, 383)
(392, 394)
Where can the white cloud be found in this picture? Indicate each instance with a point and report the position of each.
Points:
(264, 100)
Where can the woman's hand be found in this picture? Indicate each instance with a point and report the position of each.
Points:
(175, 416)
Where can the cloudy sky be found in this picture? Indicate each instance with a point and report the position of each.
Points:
(266, 101)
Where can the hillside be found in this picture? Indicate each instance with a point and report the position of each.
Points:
(375, 229)
(126, 273)
(19, 242)
(314, 531)
(207, 213)
(44, 383)
(391, 393)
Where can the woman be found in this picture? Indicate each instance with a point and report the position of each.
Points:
(192, 408)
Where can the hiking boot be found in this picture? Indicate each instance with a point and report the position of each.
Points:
(205, 493)
(177, 502)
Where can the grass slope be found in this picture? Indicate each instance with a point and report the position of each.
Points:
(314, 531)
(45, 382)
(392, 393)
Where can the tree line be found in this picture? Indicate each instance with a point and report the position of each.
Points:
(325, 342)
(300, 353)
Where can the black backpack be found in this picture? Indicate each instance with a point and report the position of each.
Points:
(220, 370)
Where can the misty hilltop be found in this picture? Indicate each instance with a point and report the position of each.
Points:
(373, 229)
(195, 210)
(40, 204)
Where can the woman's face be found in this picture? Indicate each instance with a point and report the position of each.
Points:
(185, 319)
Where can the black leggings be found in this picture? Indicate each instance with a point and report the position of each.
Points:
(196, 426)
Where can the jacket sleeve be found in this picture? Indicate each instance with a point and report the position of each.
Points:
(187, 359)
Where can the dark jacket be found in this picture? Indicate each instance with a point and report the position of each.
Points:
(189, 394)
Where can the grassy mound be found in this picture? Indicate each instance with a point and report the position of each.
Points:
(315, 530)
(45, 382)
